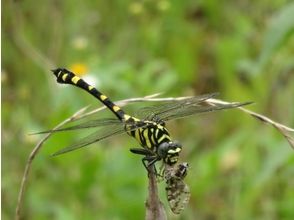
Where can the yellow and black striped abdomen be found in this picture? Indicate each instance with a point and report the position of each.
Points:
(66, 77)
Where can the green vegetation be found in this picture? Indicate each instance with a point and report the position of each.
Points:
(240, 168)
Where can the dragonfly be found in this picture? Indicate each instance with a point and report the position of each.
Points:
(149, 130)
(177, 191)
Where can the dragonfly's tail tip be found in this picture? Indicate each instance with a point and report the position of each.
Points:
(55, 70)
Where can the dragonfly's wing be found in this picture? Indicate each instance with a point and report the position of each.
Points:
(99, 135)
(178, 195)
(150, 112)
(87, 124)
(191, 109)
(92, 138)
(180, 108)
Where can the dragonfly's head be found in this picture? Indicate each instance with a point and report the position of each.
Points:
(169, 152)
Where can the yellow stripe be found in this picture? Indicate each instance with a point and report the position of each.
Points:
(116, 108)
(156, 133)
(161, 138)
(177, 150)
(103, 97)
(75, 79)
(90, 88)
(159, 126)
(137, 135)
(136, 119)
(64, 77)
(152, 136)
(127, 117)
(145, 134)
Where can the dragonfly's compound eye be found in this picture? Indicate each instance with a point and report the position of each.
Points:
(163, 149)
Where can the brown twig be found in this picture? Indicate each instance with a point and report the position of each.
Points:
(154, 207)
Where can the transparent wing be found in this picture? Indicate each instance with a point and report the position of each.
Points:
(99, 135)
(169, 106)
(88, 124)
(92, 138)
(191, 109)
(185, 107)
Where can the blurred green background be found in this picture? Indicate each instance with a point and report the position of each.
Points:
(240, 168)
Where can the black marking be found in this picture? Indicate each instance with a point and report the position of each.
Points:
(154, 136)
(142, 138)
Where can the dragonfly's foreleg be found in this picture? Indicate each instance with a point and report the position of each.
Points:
(149, 159)
(142, 151)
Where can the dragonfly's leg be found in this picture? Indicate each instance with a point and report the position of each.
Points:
(142, 151)
(149, 159)
(152, 160)
(145, 162)
(148, 167)
(149, 155)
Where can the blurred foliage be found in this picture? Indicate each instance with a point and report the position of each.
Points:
(240, 168)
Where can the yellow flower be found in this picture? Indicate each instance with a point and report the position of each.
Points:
(79, 68)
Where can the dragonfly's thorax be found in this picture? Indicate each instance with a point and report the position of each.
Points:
(155, 137)
(149, 134)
